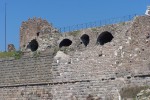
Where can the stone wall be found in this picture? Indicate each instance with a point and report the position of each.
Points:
(96, 71)
(27, 70)
(41, 31)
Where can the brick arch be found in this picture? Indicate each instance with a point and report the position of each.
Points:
(104, 37)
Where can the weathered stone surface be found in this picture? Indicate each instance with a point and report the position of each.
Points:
(44, 33)
(62, 57)
(144, 95)
(95, 71)
(11, 48)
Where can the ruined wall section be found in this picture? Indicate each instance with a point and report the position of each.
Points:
(95, 61)
(30, 70)
(98, 70)
(126, 55)
(139, 45)
(124, 60)
(89, 71)
(44, 33)
(117, 30)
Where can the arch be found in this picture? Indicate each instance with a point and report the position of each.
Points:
(85, 39)
(65, 43)
(33, 45)
(104, 37)
(37, 34)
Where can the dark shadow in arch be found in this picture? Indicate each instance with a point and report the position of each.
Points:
(65, 43)
(33, 45)
(38, 33)
(104, 37)
(85, 39)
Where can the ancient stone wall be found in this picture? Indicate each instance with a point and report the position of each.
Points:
(43, 33)
(27, 70)
(99, 69)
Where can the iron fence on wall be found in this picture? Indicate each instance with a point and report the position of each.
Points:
(96, 23)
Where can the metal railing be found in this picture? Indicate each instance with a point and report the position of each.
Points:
(97, 23)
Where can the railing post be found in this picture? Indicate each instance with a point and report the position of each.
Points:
(99, 23)
(134, 15)
(81, 26)
(95, 24)
(64, 29)
(77, 26)
(129, 17)
(60, 30)
(86, 25)
(69, 28)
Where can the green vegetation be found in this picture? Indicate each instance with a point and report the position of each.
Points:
(64, 49)
(14, 54)
(94, 29)
(55, 50)
(131, 92)
(122, 23)
(36, 54)
(74, 33)
(17, 54)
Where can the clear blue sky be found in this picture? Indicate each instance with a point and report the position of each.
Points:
(62, 13)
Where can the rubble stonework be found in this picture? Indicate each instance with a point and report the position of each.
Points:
(88, 68)
(41, 31)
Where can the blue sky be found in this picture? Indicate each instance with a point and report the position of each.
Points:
(62, 13)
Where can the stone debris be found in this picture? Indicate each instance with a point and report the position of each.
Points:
(11, 48)
(143, 95)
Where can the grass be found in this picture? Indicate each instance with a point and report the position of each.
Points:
(14, 54)
(94, 29)
(6, 54)
(122, 23)
(74, 33)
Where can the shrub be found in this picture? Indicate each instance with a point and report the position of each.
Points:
(15, 54)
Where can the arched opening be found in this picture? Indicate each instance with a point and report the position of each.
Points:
(37, 34)
(104, 38)
(85, 39)
(33, 45)
(65, 43)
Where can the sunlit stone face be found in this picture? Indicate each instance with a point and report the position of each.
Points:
(148, 11)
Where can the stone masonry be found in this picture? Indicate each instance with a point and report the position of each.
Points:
(40, 31)
(77, 72)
